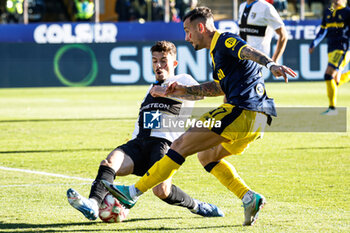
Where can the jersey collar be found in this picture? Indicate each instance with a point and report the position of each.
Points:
(251, 4)
(334, 10)
(341, 7)
(338, 8)
(214, 40)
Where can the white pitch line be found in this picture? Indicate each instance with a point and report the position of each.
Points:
(44, 173)
(38, 185)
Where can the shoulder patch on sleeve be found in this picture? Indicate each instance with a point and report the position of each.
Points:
(230, 42)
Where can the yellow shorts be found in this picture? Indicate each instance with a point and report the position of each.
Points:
(238, 125)
(337, 59)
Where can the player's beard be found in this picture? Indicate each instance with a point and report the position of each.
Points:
(161, 77)
(198, 46)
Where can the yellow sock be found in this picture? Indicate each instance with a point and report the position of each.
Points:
(332, 92)
(344, 78)
(228, 176)
(160, 171)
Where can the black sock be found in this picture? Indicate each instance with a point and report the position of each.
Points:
(179, 198)
(98, 191)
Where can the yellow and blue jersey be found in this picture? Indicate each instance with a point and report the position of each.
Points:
(335, 26)
(240, 79)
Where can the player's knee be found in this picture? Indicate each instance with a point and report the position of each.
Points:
(177, 143)
(328, 77)
(204, 160)
(212, 155)
(115, 159)
(208, 156)
(110, 160)
(160, 192)
(105, 162)
(181, 147)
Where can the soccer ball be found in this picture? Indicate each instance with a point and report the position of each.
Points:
(111, 211)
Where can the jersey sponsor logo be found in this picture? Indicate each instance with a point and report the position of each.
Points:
(162, 106)
(253, 30)
(253, 15)
(220, 74)
(260, 90)
(335, 25)
(230, 42)
(152, 120)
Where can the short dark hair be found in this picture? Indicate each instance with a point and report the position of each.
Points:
(164, 46)
(202, 12)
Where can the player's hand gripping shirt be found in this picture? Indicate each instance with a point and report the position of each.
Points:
(167, 107)
(240, 80)
(257, 23)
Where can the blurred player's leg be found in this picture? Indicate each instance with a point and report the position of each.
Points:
(344, 78)
(332, 90)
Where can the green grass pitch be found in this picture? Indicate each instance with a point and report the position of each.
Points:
(68, 131)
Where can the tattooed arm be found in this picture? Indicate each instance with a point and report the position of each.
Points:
(204, 89)
(249, 53)
(187, 97)
(159, 91)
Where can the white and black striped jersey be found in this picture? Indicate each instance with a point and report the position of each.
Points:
(168, 107)
(257, 23)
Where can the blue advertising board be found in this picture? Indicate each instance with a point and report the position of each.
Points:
(70, 54)
(54, 33)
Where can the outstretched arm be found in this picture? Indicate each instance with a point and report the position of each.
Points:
(158, 91)
(249, 53)
(204, 89)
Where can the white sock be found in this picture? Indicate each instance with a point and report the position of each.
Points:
(94, 203)
(195, 208)
(134, 192)
(248, 197)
